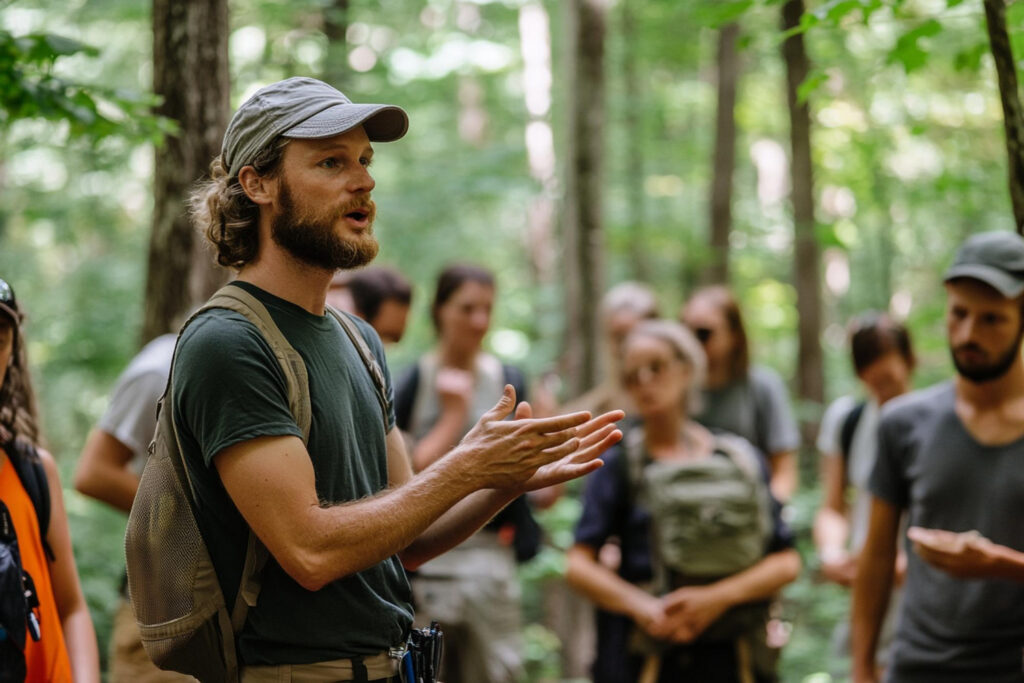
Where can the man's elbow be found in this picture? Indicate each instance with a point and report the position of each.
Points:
(87, 482)
(306, 568)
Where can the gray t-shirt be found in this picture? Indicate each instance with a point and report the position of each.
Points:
(949, 629)
(756, 408)
(131, 415)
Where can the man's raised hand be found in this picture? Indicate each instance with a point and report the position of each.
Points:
(528, 453)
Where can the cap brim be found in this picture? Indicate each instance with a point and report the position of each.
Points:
(382, 122)
(1004, 283)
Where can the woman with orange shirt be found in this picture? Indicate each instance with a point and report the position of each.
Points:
(60, 643)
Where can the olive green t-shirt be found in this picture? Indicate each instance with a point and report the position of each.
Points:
(228, 388)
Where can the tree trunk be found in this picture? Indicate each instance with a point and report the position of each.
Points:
(336, 28)
(190, 73)
(639, 263)
(1013, 117)
(724, 160)
(583, 201)
(807, 270)
(535, 47)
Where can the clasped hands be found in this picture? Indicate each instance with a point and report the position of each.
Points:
(682, 615)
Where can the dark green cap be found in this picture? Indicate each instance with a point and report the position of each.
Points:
(303, 108)
(995, 258)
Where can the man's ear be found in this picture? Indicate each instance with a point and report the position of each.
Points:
(260, 189)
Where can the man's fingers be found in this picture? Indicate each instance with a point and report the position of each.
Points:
(503, 408)
(524, 411)
(599, 422)
(598, 436)
(561, 450)
(558, 423)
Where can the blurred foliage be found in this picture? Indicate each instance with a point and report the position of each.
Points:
(908, 152)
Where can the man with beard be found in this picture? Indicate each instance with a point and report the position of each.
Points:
(951, 457)
(287, 205)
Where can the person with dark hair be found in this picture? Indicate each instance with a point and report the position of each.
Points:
(472, 589)
(883, 360)
(48, 633)
(950, 459)
(689, 600)
(288, 204)
(379, 295)
(742, 398)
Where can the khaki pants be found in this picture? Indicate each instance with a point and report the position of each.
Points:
(378, 668)
(129, 662)
(473, 592)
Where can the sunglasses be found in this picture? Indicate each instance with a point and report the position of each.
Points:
(648, 371)
(703, 334)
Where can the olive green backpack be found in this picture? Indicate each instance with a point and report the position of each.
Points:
(185, 621)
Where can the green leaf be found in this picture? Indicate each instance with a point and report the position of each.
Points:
(810, 84)
(908, 50)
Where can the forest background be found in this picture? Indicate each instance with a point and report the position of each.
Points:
(566, 145)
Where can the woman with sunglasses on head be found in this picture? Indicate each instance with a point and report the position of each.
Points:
(739, 397)
(703, 547)
(59, 641)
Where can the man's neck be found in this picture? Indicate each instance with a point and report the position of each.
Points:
(285, 277)
(996, 393)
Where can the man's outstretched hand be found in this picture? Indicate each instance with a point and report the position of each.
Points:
(966, 555)
(527, 453)
(594, 437)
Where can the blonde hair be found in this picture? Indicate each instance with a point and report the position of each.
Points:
(685, 346)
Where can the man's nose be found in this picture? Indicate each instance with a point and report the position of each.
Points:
(362, 181)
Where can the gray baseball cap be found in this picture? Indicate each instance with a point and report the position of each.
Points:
(995, 258)
(303, 108)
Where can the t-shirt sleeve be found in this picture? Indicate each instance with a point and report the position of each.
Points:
(830, 432)
(888, 476)
(228, 385)
(781, 433)
(603, 502)
(131, 416)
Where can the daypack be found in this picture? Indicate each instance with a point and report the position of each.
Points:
(711, 517)
(18, 598)
(185, 621)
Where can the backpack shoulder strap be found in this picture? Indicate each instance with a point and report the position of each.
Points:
(369, 360)
(849, 428)
(236, 299)
(25, 460)
(634, 458)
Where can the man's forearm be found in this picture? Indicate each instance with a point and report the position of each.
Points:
(1009, 563)
(456, 525)
(871, 592)
(340, 540)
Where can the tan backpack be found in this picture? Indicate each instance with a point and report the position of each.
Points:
(185, 621)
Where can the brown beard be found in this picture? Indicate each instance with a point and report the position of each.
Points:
(311, 237)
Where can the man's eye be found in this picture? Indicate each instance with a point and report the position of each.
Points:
(366, 161)
(329, 163)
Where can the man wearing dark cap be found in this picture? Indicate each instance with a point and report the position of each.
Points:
(288, 204)
(951, 457)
